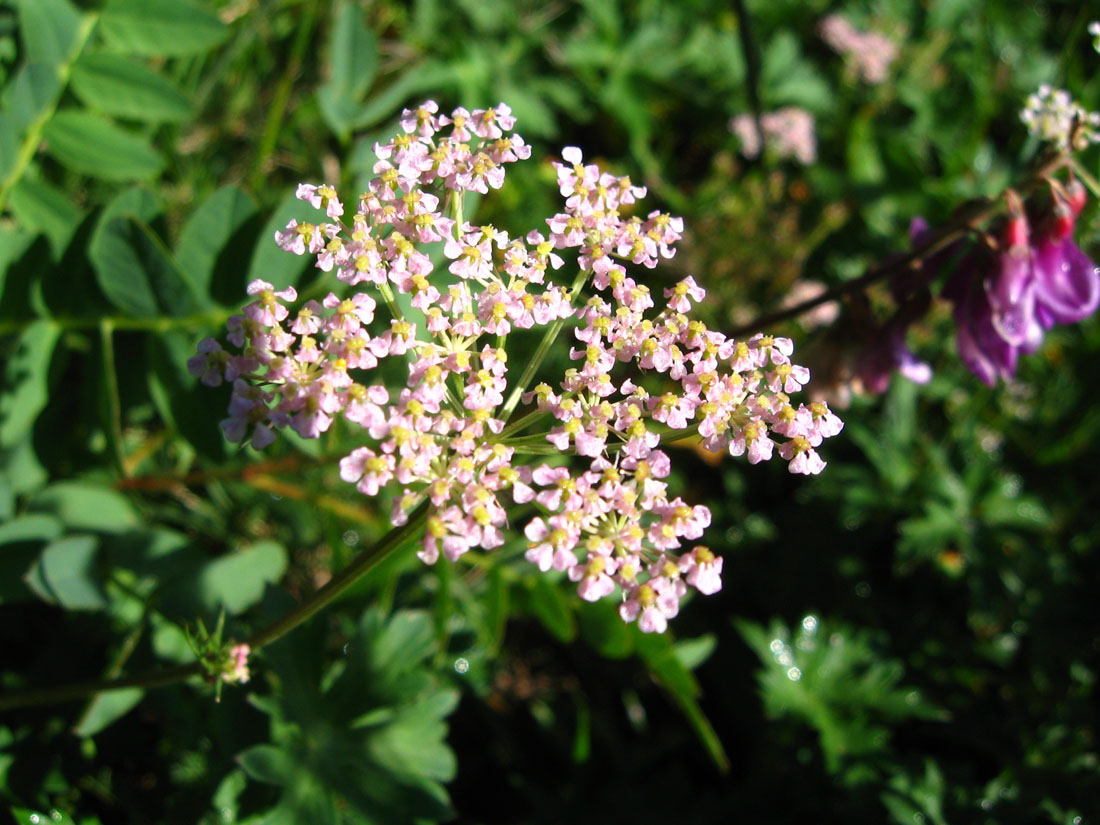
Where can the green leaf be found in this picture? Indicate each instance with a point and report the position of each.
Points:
(106, 252)
(21, 542)
(351, 66)
(68, 568)
(226, 798)
(42, 207)
(666, 666)
(267, 763)
(106, 709)
(530, 108)
(26, 816)
(117, 86)
(496, 603)
(404, 642)
(369, 745)
(21, 468)
(415, 742)
(165, 28)
(693, 652)
(236, 581)
(33, 527)
(169, 641)
(85, 506)
(864, 159)
(135, 202)
(183, 403)
(552, 607)
(136, 273)
(88, 144)
(603, 628)
(422, 76)
(34, 89)
(26, 381)
(207, 232)
(48, 29)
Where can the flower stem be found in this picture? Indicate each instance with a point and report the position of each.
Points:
(113, 410)
(544, 347)
(342, 581)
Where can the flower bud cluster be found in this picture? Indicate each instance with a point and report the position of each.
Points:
(442, 437)
(788, 132)
(1052, 115)
(869, 54)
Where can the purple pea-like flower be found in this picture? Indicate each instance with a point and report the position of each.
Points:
(1010, 286)
(1067, 283)
(981, 348)
(889, 352)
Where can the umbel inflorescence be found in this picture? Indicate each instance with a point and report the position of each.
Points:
(646, 372)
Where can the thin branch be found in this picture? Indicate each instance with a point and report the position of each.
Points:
(958, 227)
(752, 72)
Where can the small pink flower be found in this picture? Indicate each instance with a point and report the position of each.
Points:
(703, 570)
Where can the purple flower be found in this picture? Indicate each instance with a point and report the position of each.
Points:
(981, 347)
(1010, 286)
(1067, 283)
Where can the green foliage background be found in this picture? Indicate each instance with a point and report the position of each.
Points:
(934, 588)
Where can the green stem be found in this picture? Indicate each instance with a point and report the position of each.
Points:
(114, 402)
(544, 347)
(123, 323)
(526, 421)
(129, 645)
(337, 586)
(69, 693)
(391, 301)
(33, 139)
(342, 581)
(277, 111)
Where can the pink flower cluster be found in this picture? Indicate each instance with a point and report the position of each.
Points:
(443, 436)
(788, 133)
(869, 54)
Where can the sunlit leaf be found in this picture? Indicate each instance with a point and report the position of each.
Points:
(207, 232)
(48, 28)
(137, 274)
(68, 567)
(236, 581)
(351, 66)
(91, 145)
(86, 506)
(115, 85)
(107, 708)
(161, 27)
(42, 207)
